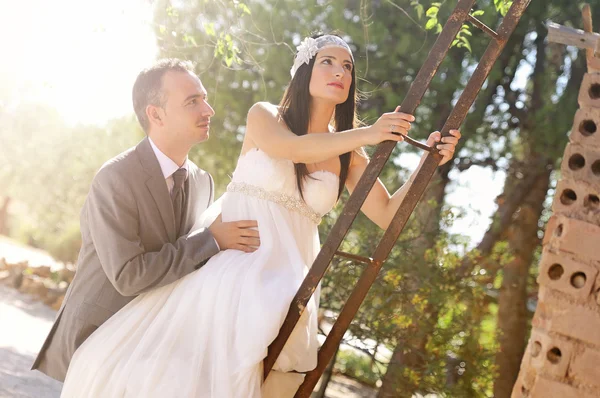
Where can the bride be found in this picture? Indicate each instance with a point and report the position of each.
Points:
(207, 334)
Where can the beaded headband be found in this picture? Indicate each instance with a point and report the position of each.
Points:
(309, 47)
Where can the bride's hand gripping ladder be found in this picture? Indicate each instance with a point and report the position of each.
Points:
(459, 16)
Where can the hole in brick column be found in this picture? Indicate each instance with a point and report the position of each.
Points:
(524, 391)
(594, 91)
(596, 168)
(536, 348)
(555, 271)
(592, 202)
(568, 197)
(587, 127)
(559, 230)
(578, 280)
(576, 162)
(554, 355)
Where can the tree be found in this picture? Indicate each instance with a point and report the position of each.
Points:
(47, 167)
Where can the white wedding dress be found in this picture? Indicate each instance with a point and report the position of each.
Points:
(207, 334)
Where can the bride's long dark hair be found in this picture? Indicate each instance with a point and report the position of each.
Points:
(294, 109)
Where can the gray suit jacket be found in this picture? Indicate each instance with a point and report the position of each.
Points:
(129, 246)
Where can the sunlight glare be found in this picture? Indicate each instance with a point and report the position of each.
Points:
(80, 57)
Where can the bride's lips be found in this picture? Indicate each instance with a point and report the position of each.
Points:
(336, 84)
(204, 125)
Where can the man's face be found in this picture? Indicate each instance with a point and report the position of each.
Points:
(186, 110)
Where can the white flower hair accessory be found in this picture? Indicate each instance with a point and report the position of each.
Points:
(310, 46)
(306, 50)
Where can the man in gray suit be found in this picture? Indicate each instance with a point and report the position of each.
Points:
(136, 220)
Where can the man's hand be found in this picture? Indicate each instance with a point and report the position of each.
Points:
(237, 235)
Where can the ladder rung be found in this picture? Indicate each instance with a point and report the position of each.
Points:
(416, 143)
(366, 260)
(483, 27)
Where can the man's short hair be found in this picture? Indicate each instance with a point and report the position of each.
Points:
(147, 89)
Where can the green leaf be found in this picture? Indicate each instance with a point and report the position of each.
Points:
(431, 23)
(478, 13)
(502, 6)
(432, 11)
(209, 28)
(420, 9)
(172, 12)
(190, 39)
(466, 43)
(243, 8)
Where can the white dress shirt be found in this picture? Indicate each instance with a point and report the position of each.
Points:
(167, 165)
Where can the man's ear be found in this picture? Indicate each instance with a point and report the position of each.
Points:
(154, 114)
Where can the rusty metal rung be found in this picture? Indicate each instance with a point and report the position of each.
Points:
(417, 143)
(366, 260)
(483, 27)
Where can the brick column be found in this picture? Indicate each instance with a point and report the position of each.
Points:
(562, 358)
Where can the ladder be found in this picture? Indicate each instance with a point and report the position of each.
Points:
(459, 16)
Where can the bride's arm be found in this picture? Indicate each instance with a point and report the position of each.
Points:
(379, 206)
(266, 131)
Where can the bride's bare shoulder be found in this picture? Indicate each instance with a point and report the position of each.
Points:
(263, 127)
(262, 110)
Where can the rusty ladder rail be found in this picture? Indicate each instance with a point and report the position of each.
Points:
(460, 15)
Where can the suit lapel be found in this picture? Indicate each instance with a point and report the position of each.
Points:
(157, 186)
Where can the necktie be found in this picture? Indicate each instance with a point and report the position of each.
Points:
(178, 197)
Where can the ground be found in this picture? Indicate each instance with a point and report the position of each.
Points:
(24, 324)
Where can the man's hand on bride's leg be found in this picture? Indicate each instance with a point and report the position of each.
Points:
(238, 235)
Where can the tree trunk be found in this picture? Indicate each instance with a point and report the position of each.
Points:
(326, 377)
(4, 216)
(406, 359)
(512, 302)
(509, 201)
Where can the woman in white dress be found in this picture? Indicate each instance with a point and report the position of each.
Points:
(207, 334)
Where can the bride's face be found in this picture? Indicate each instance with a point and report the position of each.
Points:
(331, 75)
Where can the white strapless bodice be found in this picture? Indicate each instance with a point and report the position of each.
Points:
(276, 177)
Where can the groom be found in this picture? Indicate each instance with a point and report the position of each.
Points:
(136, 220)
